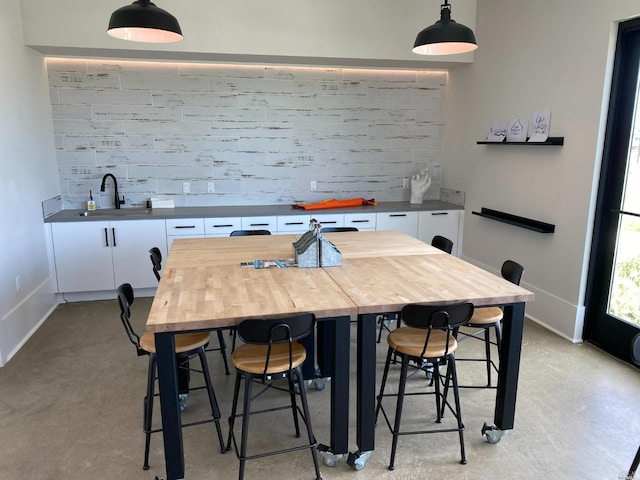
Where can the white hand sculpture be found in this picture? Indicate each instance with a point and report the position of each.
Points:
(420, 183)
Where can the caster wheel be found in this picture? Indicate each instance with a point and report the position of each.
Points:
(492, 433)
(358, 460)
(329, 458)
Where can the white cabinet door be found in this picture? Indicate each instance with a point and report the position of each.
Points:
(440, 222)
(362, 221)
(406, 222)
(221, 227)
(329, 219)
(131, 243)
(260, 223)
(293, 223)
(184, 228)
(83, 256)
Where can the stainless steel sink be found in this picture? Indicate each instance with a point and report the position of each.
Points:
(113, 212)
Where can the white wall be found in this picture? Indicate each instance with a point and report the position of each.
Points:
(535, 55)
(353, 32)
(260, 134)
(29, 175)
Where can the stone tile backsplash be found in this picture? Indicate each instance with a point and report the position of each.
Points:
(260, 134)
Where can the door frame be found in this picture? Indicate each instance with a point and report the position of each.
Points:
(615, 336)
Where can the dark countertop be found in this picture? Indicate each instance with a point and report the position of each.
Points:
(237, 211)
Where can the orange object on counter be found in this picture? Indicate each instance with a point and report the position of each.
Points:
(333, 203)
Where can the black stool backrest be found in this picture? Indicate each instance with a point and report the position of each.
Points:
(443, 243)
(276, 330)
(125, 299)
(156, 261)
(244, 233)
(512, 271)
(437, 317)
(338, 229)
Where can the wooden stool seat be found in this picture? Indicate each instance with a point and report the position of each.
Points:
(250, 358)
(486, 316)
(185, 342)
(410, 341)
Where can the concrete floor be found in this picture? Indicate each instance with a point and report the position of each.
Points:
(71, 408)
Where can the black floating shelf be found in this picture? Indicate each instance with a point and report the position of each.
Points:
(522, 222)
(551, 141)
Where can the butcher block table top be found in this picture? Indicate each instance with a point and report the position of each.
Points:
(386, 284)
(203, 285)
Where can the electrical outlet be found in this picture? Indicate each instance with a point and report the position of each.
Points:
(18, 283)
(314, 185)
(211, 188)
(186, 187)
(405, 183)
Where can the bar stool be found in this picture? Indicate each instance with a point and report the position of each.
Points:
(271, 352)
(441, 243)
(156, 262)
(429, 342)
(486, 318)
(187, 346)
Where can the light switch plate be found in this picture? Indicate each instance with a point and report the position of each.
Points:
(186, 187)
(211, 188)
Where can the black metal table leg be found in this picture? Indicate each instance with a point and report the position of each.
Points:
(335, 344)
(511, 347)
(168, 386)
(366, 400)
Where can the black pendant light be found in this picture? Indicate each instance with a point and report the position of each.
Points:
(142, 21)
(445, 37)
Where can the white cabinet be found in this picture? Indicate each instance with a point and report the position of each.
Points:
(293, 223)
(184, 228)
(362, 221)
(406, 222)
(260, 223)
(222, 226)
(440, 222)
(98, 256)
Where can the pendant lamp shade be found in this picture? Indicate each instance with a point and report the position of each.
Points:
(142, 21)
(445, 37)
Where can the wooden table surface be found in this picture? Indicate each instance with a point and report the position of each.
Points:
(202, 252)
(204, 297)
(203, 285)
(386, 284)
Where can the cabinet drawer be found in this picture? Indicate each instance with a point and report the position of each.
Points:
(260, 223)
(406, 222)
(330, 219)
(185, 227)
(221, 226)
(293, 223)
(362, 221)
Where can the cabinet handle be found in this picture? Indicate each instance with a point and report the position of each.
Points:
(398, 215)
(106, 238)
(185, 226)
(113, 234)
(359, 221)
(222, 226)
(294, 223)
(440, 213)
(326, 223)
(258, 224)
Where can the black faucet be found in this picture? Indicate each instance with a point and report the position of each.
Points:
(115, 184)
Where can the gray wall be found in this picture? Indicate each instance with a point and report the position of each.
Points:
(534, 55)
(29, 175)
(260, 134)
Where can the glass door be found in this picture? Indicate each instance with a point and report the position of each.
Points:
(613, 293)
